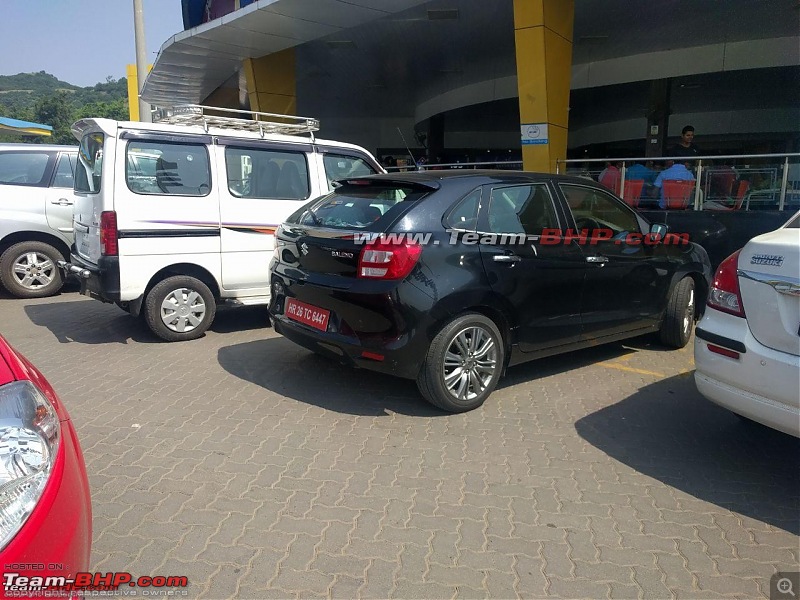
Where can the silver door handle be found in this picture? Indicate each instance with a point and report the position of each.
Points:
(62, 202)
(506, 258)
(596, 259)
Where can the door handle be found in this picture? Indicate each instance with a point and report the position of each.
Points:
(62, 202)
(506, 258)
(597, 259)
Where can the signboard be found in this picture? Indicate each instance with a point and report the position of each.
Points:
(534, 133)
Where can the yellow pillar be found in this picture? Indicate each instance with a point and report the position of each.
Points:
(133, 92)
(543, 36)
(271, 83)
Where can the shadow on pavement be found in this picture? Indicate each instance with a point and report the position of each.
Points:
(87, 322)
(671, 433)
(284, 368)
(93, 322)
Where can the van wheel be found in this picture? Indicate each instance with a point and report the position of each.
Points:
(179, 308)
(29, 270)
(679, 317)
(463, 364)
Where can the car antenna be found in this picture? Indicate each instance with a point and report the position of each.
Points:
(416, 166)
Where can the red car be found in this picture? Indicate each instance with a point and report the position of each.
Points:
(45, 507)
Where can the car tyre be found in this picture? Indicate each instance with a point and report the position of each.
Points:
(30, 270)
(179, 308)
(463, 364)
(676, 329)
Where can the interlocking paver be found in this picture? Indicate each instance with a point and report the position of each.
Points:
(260, 470)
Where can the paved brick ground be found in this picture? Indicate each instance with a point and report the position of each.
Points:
(263, 471)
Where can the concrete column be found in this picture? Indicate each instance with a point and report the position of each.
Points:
(543, 35)
(271, 83)
(658, 117)
(435, 138)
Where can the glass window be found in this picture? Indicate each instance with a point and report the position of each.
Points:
(162, 168)
(595, 209)
(358, 206)
(340, 166)
(273, 174)
(465, 213)
(89, 171)
(65, 172)
(521, 209)
(23, 168)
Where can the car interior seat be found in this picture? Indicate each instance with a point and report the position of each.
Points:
(536, 213)
(167, 177)
(289, 183)
(503, 215)
(266, 180)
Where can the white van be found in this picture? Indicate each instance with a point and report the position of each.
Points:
(173, 217)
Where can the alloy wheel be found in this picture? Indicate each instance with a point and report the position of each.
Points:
(469, 363)
(34, 270)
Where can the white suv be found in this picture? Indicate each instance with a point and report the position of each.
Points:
(35, 216)
(172, 218)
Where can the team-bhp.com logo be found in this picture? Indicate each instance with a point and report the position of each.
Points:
(548, 237)
(85, 584)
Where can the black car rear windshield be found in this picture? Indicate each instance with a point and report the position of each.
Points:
(359, 207)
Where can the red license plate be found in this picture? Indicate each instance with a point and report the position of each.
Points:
(307, 313)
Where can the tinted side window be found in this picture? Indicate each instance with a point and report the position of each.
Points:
(65, 172)
(340, 166)
(23, 168)
(464, 214)
(274, 174)
(596, 209)
(521, 209)
(177, 169)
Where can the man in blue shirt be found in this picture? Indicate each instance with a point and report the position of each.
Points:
(675, 171)
(640, 171)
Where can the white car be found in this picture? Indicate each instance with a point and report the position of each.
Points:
(747, 345)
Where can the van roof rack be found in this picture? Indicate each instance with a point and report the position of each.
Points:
(237, 119)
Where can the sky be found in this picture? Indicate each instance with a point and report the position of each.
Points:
(81, 42)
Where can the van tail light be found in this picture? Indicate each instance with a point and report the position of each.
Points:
(381, 259)
(725, 294)
(109, 240)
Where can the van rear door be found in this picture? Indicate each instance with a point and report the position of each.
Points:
(89, 192)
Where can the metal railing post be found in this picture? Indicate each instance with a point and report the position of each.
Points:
(697, 185)
(784, 184)
(622, 181)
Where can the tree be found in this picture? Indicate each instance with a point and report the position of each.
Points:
(55, 110)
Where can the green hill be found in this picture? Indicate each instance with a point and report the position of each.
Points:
(43, 98)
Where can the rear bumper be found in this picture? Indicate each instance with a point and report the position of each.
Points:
(388, 331)
(100, 281)
(760, 385)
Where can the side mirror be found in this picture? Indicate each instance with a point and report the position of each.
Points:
(658, 230)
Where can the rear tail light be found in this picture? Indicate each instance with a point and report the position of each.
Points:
(724, 294)
(29, 438)
(109, 244)
(388, 260)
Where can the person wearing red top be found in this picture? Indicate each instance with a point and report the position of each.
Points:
(611, 177)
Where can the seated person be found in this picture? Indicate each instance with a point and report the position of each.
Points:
(611, 177)
(639, 171)
(676, 171)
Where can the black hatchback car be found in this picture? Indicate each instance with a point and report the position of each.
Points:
(449, 277)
